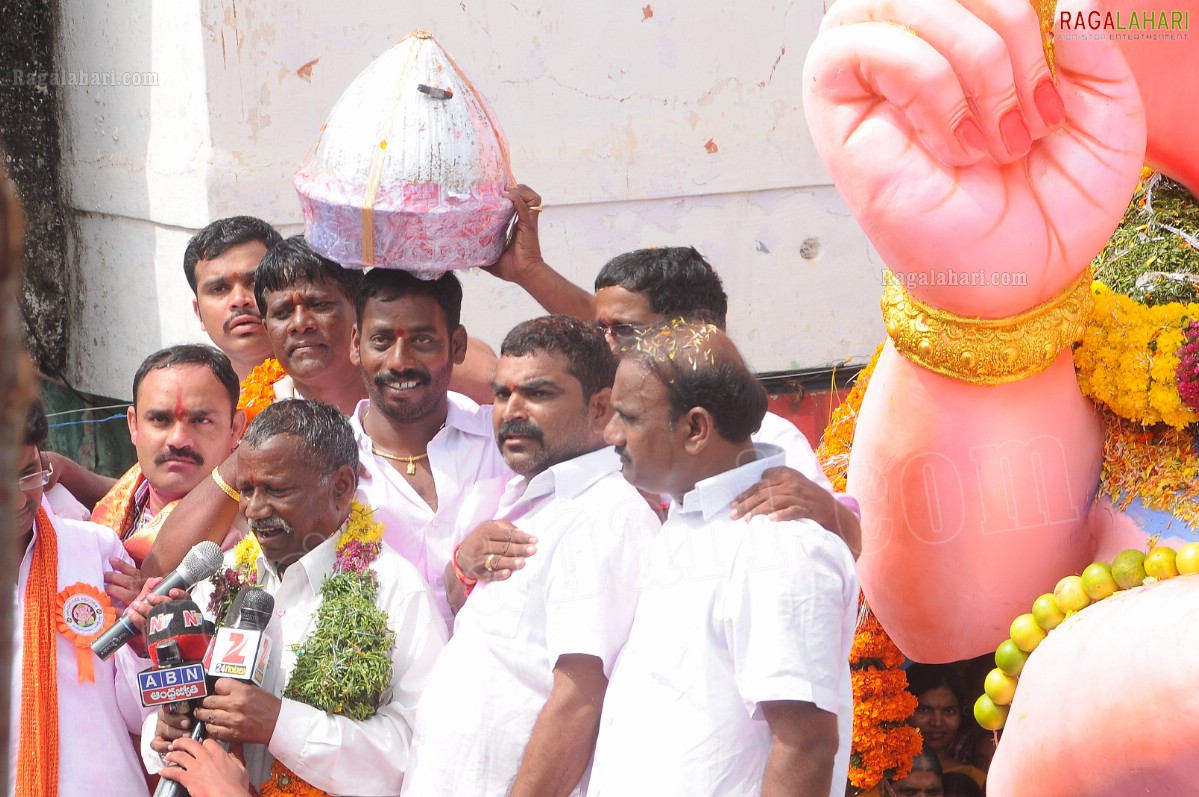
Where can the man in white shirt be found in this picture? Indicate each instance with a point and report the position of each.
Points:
(513, 706)
(297, 475)
(648, 286)
(432, 469)
(735, 676)
(70, 715)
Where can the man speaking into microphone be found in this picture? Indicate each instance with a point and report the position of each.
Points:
(354, 632)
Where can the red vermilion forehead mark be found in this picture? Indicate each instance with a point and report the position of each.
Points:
(180, 412)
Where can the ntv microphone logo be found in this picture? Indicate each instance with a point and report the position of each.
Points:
(161, 622)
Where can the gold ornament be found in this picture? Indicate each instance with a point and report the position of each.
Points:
(1046, 11)
(986, 351)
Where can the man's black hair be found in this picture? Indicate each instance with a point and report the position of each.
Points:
(696, 375)
(213, 359)
(213, 240)
(324, 433)
(677, 281)
(291, 261)
(589, 359)
(37, 427)
(388, 284)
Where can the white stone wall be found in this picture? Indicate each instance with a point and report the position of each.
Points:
(640, 123)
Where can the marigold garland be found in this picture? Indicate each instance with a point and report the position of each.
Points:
(1128, 359)
(285, 783)
(258, 388)
(344, 664)
(835, 443)
(884, 744)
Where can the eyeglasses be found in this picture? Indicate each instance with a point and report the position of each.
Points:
(35, 480)
(621, 331)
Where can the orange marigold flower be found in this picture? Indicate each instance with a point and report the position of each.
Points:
(883, 743)
(258, 388)
(283, 781)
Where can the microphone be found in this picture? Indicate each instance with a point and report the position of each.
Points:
(177, 637)
(240, 646)
(201, 561)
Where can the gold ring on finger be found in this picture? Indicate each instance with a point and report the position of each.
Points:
(536, 208)
(489, 563)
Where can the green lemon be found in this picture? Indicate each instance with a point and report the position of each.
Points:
(1046, 612)
(1098, 582)
(1128, 568)
(1010, 658)
(990, 716)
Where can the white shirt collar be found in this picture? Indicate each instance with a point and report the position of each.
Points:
(716, 492)
(462, 414)
(566, 479)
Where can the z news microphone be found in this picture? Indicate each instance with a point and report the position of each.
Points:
(241, 648)
(201, 562)
(177, 637)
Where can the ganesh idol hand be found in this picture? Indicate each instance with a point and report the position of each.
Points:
(956, 150)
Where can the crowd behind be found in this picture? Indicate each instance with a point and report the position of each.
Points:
(594, 564)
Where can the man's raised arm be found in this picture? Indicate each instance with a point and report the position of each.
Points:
(521, 263)
(206, 513)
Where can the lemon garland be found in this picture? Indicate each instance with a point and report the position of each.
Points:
(258, 388)
(1130, 569)
(344, 665)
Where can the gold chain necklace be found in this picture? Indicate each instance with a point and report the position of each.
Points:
(411, 460)
(411, 470)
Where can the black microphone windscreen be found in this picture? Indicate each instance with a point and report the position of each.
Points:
(256, 608)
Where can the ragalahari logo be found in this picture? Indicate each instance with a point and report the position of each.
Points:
(1126, 25)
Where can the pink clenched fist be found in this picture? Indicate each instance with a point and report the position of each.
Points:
(945, 133)
(958, 154)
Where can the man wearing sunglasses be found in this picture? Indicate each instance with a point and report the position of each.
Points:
(70, 714)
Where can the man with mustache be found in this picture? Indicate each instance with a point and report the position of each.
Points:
(735, 676)
(513, 705)
(184, 422)
(307, 303)
(432, 468)
(219, 264)
(296, 480)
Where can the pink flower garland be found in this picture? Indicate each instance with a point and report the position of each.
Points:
(1187, 374)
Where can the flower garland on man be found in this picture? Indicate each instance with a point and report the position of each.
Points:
(345, 604)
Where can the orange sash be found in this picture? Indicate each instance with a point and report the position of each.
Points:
(118, 511)
(37, 758)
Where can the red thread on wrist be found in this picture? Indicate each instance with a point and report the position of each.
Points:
(467, 583)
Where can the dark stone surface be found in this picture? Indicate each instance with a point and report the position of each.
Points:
(29, 135)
